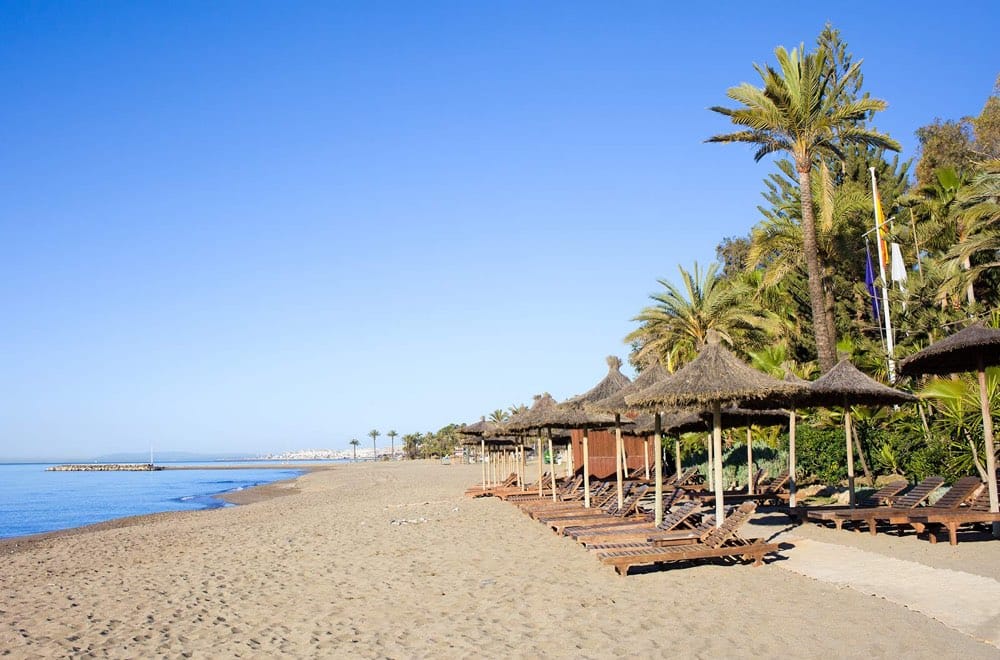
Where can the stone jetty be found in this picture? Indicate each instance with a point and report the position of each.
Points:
(105, 467)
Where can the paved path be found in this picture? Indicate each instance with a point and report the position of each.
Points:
(968, 603)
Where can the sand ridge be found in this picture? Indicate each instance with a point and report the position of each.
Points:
(390, 560)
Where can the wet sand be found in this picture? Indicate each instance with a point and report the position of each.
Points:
(390, 560)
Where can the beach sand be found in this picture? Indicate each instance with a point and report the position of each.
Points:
(390, 560)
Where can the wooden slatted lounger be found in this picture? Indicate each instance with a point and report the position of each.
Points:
(914, 498)
(612, 512)
(479, 491)
(961, 492)
(977, 512)
(722, 541)
(637, 524)
(821, 514)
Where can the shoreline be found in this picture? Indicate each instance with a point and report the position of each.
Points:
(251, 495)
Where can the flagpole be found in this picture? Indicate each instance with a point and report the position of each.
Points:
(879, 219)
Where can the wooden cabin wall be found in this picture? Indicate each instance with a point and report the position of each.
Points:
(602, 452)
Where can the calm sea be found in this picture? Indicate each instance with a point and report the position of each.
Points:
(33, 500)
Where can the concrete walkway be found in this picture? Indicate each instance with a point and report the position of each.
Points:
(968, 603)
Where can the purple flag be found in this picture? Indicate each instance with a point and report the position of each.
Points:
(870, 284)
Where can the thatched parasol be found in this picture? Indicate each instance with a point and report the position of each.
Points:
(577, 415)
(713, 379)
(972, 349)
(478, 430)
(617, 405)
(846, 386)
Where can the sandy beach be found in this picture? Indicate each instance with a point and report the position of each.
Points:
(390, 560)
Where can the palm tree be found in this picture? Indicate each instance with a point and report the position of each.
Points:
(806, 109)
(499, 416)
(374, 434)
(355, 443)
(677, 324)
(979, 226)
(392, 444)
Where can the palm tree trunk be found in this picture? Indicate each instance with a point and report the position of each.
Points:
(829, 309)
(825, 344)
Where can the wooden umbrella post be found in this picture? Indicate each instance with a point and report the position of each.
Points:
(645, 456)
(711, 459)
(538, 450)
(482, 458)
(586, 469)
(791, 458)
(991, 461)
(618, 461)
(850, 454)
(717, 445)
(658, 468)
(552, 464)
(571, 461)
(677, 454)
(749, 459)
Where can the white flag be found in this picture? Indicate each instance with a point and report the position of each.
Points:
(897, 268)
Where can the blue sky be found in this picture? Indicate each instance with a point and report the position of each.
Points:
(265, 226)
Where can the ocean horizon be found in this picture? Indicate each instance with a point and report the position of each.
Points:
(35, 501)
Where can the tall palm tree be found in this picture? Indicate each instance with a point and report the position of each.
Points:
(677, 324)
(806, 110)
(374, 434)
(355, 443)
(392, 444)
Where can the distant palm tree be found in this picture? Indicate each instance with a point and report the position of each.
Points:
(355, 443)
(499, 416)
(392, 440)
(374, 434)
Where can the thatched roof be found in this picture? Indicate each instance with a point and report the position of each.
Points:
(482, 427)
(715, 376)
(555, 416)
(613, 382)
(616, 402)
(961, 351)
(846, 385)
(523, 421)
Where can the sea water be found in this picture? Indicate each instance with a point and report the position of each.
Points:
(34, 501)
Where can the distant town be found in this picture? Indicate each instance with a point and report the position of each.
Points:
(366, 454)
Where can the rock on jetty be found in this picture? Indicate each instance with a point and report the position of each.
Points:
(105, 467)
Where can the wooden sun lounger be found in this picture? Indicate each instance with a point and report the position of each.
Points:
(960, 493)
(822, 514)
(963, 490)
(561, 491)
(930, 522)
(479, 491)
(722, 541)
(611, 512)
(641, 520)
(527, 488)
(597, 501)
(912, 499)
(680, 517)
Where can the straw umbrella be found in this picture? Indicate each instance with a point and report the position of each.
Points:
(479, 430)
(522, 423)
(612, 383)
(617, 405)
(550, 416)
(714, 378)
(972, 349)
(844, 386)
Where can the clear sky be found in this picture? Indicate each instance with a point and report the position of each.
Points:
(264, 226)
